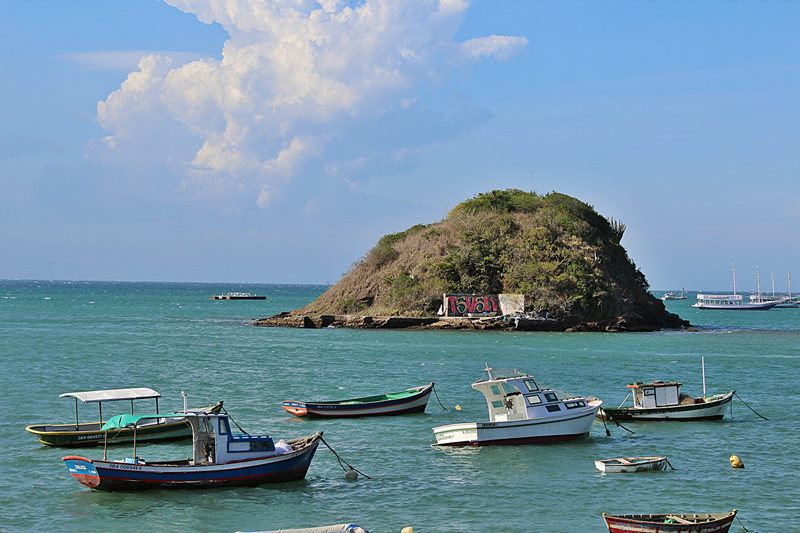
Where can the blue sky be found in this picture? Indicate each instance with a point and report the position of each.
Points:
(235, 140)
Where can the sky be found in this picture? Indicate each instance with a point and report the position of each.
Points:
(277, 141)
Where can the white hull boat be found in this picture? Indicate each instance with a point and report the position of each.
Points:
(732, 302)
(662, 400)
(621, 465)
(520, 412)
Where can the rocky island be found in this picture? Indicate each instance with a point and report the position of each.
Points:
(505, 259)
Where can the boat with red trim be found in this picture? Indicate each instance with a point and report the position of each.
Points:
(413, 400)
(521, 412)
(670, 523)
(220, 458)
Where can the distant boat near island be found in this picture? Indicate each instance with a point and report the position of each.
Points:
(238, 296)
(732, 302)
(781, 300)
(669, 295)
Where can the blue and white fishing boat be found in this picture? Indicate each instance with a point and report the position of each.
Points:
(220, 458)
(521, 412)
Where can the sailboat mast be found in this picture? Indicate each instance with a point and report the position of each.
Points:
(758, 282)
(733, 269)
(703, 369)
(789, 277)
(773, 285)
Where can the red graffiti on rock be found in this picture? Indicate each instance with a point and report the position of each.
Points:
(472, 304)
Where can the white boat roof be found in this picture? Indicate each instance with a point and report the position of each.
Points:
(111, 395)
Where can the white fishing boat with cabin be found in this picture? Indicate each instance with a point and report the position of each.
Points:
(521, 412)
(662, 400)
(670, 295)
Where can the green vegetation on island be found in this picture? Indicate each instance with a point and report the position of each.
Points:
(556, 250)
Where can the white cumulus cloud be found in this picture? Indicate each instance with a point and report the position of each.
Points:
(296, 78)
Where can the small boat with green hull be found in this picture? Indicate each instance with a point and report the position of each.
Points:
(413, 400)
(90, 433)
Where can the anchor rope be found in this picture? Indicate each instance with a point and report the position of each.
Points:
(340, 460)
(740, 523)
(623, 427)
(234, 421)
(748, 406)
(437, 398)
(670, 465)
(603, 418)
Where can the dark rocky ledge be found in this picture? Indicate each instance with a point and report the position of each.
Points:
(501, 323)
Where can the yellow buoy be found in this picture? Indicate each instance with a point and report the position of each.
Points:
(407, 530)
(458, 408)
(736, 462)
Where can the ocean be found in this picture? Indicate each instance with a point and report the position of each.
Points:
(61, 336)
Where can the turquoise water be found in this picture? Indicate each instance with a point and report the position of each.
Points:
(67, 336)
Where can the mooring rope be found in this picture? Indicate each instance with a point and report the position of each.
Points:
(740, 523)
(234, 421)
(342, 460)
(623, 427)
(437, 398)
(670, 464)
(603, 418)
(746, 405)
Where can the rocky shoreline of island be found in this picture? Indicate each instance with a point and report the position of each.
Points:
(497, 323)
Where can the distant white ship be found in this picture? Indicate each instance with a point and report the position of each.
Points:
(731, 302)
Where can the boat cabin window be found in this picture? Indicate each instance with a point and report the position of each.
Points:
(531, 385)
(206, 426)
(497, 404)
(551, 396)
(495, 390)
(649, 391)
(508, 388)
(224, 427)
(533, 399)
(553, 408)
(574, 405)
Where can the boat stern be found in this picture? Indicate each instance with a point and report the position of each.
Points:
(456, 434)
(83, 470)
(295, 408)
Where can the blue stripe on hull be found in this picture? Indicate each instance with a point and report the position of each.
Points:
(292, 469)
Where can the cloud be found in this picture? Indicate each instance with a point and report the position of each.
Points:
(296, 78)
(124, 60)
(500, 47)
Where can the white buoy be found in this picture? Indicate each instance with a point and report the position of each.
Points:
(407, 529)
(457, 407)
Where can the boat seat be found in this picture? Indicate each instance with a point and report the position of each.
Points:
(679, 520)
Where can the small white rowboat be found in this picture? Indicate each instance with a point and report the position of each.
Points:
(631, 464)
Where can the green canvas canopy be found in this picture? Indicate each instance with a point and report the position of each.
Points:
(124, 421)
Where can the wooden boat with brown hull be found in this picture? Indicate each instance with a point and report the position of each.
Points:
(670, 523)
